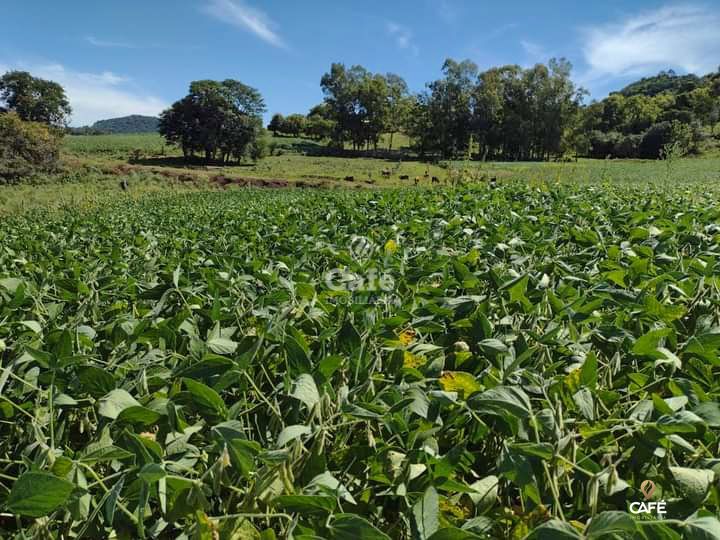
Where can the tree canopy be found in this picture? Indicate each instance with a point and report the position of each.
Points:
(34, 99)
(218, 119)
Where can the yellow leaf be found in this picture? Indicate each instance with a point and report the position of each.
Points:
(407, 336)
(459, 381)
(572, 380)
(411, 360)
(391, 246)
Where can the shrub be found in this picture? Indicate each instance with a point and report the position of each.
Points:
(26, 148)
(654, 139)
(627, 146)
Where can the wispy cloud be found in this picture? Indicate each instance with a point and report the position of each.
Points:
(682, 37)
(447, 11)
(92, 40)
(95, 96)
(403, 37)
(535, 51)
(241, 15)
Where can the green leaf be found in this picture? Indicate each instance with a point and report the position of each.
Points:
(352, 527)
(220, 345)
(589, 371)
(554, 530)
(37, 494)
(647, 344)
(243, 454)
(32, 325)
(426, 514)
(207, 401)
(306, 504)
(485, 492)
(584, 400)
(291, 433)
(493, 346)
(544, 451)
(453, 533)
(503, 399)
(106, 453)
(701, 528)
(152, 472)
(95, 381)
(609, 523)
(116, 401)
(138, 415)
(305, 390)
(693, 483)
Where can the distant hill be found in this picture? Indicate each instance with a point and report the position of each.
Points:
(665, 81)
(128, 124)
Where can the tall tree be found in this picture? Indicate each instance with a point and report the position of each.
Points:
(276, 123)
(221, 119)
(35, 99)
(450, 106)
(399, 104)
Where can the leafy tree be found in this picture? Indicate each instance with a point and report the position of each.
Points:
(357, 101)
(276, 123)
(34, 99)
(294, 125)
(450, 103)
(665, 81)
(219, 119)
(318, 126)
(26, 147)
(399, 104)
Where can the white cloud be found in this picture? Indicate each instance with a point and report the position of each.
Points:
(683, 37)
(92, 40)
(534, 51)
(95, 96)
(403, 37)
(447, 11)
(238, 13)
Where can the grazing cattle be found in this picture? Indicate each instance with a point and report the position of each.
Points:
(417, 180)
(493, 182)
(124, 184)
(386, 173)
(404, 177)
(427, 173)
(435, 180)
(349, 178)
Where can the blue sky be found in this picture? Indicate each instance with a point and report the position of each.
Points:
(138, 56)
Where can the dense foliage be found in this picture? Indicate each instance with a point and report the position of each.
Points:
(219, 119)
(34, 99)
(26, 148)
(645, 116)
(512, 113)
(183, 365)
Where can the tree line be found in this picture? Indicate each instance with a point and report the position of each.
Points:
(503, 113)
(509, 113)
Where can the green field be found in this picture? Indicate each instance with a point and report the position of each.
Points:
(497, 362)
